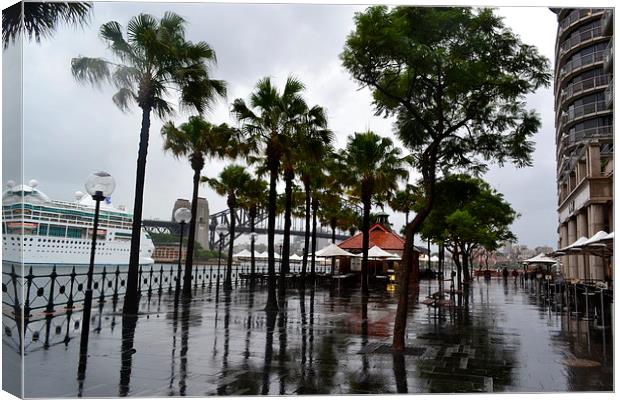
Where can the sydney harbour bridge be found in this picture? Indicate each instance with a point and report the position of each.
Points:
(242, 226)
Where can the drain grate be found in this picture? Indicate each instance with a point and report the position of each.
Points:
(382, 348)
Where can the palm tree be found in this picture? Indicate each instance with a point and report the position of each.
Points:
(152, 60)
(252, 198)
(403, 201)
(41, 19)
(231, 183)
(267, 122)
(373, 167)
(310, 133)
(198, 139)
(313, 149)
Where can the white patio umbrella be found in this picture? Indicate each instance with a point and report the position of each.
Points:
(540, 259)
(243, 254)
(378, 252)
(333, 250)
(295, 257)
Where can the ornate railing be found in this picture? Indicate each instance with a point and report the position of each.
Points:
(47, 305)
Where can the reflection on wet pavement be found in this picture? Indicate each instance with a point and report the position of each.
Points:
(502, 338)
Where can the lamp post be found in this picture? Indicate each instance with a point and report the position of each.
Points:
(221, 229)
(99, 185)
(253, 237)
(182, 216)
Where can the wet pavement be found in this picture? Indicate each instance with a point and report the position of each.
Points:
(501, 338)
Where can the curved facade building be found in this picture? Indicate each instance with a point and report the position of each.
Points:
(584, 132)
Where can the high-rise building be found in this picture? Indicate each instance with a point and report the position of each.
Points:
(201, 220)
(584, 132)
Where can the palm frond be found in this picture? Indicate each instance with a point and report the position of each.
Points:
(41, 19)
(90, 70)
(124, 98)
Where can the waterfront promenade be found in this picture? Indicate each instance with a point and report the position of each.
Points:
(504, 338)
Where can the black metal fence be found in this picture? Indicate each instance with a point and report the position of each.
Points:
(44, 292)
(45, 303)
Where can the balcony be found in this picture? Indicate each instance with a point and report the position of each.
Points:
(608, 58)
(582, 87)
(576, 17)
(582, 62)
(609, 95)
(584, 111)
(580, 39)
(602, 133)
(607, 22)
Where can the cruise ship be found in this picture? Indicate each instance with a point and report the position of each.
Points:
(60, 232)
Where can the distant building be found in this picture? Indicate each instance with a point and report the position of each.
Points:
(201, 220)
(168, 253)
(584, 132)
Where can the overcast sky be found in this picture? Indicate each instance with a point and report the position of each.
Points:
(71, 130)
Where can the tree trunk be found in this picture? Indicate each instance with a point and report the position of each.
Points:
(304, 262)
(400, 323)
(252, 257)
(232, 202)
(189, 259)
(130, 305)
(272, 304)
(315, 206)
(466, 275)
(365, 243)
(286, 243)
(333, 242)
(456, 257)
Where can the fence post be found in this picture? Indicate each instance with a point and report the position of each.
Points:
(16, 307)
(195, 277)
(50, 299)
(150, 282)
(170, 279)
(102, 290)
(139, 280)
(204, 276)
(71, 284)
(161, 275)
(29, 279)
(210, 275)
(116, 274)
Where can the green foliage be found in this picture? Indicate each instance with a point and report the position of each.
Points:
(151, 58)
(198, 138)
(371, 167)
(232, 182)
(41, 19)
(454, 78)
(468, 214)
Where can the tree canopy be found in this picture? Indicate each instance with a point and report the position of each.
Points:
(468, 213)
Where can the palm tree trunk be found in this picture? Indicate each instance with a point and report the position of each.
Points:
(304, 262)
(365, 243)
(130, 306)
(286, 244)
(231, 244)
(315, 206)
(252, 257)
(406, 217)
(189, 259)
(333, 242)
(272, 304)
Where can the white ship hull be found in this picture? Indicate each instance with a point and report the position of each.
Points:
(48, 250)
(38, 230)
